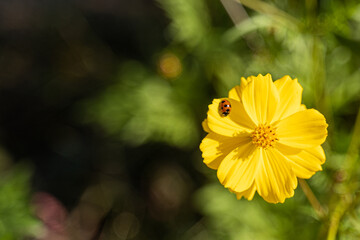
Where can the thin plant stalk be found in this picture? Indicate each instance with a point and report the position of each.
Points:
(346, 200)
(318, 208)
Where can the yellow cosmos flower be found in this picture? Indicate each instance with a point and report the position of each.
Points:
(267, 139)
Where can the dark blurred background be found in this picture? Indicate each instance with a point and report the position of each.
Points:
(56, 57)
(101, 104)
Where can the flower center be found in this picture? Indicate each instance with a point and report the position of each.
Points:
(264, 136)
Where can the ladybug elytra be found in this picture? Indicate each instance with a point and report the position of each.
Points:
(224, 107)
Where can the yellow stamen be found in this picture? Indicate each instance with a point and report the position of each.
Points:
(264, 136)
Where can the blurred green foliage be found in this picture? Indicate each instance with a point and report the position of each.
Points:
(144, 107)
(228, 218)
(17, 220)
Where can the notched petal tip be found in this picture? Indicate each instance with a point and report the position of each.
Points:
(248, 194)
(290, 93)
(235, 93)
(260, 98)
(268, 75)
(306, 162)
(275, 180)
(287, 78)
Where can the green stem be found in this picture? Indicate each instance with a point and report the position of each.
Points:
(319, 209)
(350, 165)
(336, 216)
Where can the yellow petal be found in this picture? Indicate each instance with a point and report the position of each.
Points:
(205, 126)
(275, 181)
(307, 162)
(236, 122)
(260, 98)
(302, 107)
(215, 147)
(304, 129)
(235, 92)
(290, 97)
(248, 194)
(245, 81)
(237, 170)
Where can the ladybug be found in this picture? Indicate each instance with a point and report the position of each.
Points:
(224, 107)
